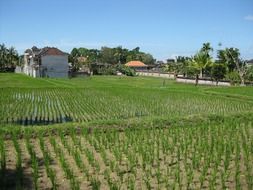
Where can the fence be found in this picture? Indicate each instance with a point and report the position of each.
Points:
(156, 74)
(183, 79)
(203, 81)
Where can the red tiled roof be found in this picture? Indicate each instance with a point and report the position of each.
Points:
(135, 64)
(51, 51)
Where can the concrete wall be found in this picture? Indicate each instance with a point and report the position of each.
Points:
(28, 70)
(204, 82)
(56, 65)
(18, 69)
(155, 74)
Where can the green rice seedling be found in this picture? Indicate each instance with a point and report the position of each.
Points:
(237, 167)
(35, 167)
(97, 166)
(74, 183)
(177, 175)
(223, 180)
(65, 143)
(189, 177)
(47, 159)
(131, 183)
(158, 175)
(35, 164)
(203, 175)
(95, 184)
(2, 161)
(77, 158)
(114, 185)
(121, 175)
(75, 139)
(104, 156)
(147, 182)
(107, 176)
(212, 180)
(227, 158)
(249, 176)
(90, 156)
(65, 166)
(112, 165)
(19, 168)
(52, 176)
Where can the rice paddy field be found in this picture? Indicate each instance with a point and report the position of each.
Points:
(109, 132)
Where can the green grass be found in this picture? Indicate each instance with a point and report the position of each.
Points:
(108, 98)
(29, 101)
(238, 92)
(109, 132)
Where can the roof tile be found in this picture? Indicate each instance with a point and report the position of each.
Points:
(135, 64)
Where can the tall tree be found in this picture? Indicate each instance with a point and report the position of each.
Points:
(3, 55)
(207, 49)
(225, 58)
(8, 58)
(199, 62)
(12, 57)
(108, 55)
(231, 57)
(218, 72)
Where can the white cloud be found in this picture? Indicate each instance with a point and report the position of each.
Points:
(249, 17)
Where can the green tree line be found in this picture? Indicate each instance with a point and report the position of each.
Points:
(107, 55)
(228, 65)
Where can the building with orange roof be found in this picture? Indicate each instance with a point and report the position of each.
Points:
(137, 65)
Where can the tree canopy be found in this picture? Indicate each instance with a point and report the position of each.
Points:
(8, 58)
(229, 65)
(108, 55)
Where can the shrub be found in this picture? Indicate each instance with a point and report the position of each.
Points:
(218, 72)
(125, 70)
(108, 71)
(233, 77)
(249, 74)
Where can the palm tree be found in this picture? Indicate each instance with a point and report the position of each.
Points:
(206, 48)
(199, 62)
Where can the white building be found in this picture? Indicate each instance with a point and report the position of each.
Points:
(45, 62)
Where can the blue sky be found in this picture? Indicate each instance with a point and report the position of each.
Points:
(164, 28)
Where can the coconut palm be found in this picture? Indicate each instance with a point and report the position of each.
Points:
(206, 48)
(199, 62)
